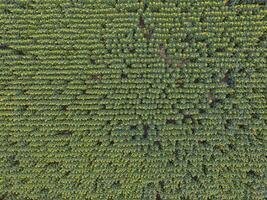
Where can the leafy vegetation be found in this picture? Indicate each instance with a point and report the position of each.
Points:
(120, 99)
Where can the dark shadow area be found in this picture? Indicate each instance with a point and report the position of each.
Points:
(141, 22)
(170, 121)
(124, 76)
(145, 129)
(64, 133)
(158, 196)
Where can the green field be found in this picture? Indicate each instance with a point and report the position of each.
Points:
(133, 99)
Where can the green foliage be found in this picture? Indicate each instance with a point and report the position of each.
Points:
(120, 99)
(240, 2)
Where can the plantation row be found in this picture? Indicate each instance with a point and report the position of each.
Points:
(120, 99)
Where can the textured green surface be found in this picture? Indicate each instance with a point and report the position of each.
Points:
(121, 99)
